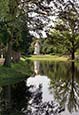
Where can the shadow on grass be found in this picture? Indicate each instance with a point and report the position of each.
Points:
(17, 72)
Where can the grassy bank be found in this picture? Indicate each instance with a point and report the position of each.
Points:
(20, 71)
(16, 73)
(45, 57)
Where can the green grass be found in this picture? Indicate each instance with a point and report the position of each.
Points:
(45, 57)
(12, 75)
(22, 68)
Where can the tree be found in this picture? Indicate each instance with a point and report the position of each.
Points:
(14, 10)
(55, 42)
(68, 26)
(24, 43)
(8, 24)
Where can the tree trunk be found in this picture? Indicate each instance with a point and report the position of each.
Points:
(8, 55)
(73, 54)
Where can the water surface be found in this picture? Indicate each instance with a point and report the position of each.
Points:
(52, 89)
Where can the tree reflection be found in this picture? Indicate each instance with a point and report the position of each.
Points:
(65, 81)
(74, 92)
(19, 99)
(67, 88)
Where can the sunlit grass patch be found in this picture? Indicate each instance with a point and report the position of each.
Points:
(46, 57)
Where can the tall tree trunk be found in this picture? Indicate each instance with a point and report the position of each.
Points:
(73, 54)
(8, 55)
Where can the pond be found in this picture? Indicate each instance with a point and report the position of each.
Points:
(52, 89)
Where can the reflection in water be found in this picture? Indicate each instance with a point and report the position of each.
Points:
(20, 99)
(66, 90)
(44, 81)
(73, 104)
(63, 79)
(42, 103)
(36, 67)
(13, 99)
(53, 89)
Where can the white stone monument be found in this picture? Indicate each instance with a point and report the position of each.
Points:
(37, 48)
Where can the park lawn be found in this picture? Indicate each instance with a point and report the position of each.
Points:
(16, 73)
(22, 67)
(45, 58)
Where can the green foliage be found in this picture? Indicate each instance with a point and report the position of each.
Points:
(14, 74)
(26, 38)
(65, 35)
(14, 27)
(3, 9)
(9, 76)
(53, 43)
(4, 35)
(8, 22)
(22, 67)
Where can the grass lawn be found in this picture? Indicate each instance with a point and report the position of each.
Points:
(16, 73)
(45, 57)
